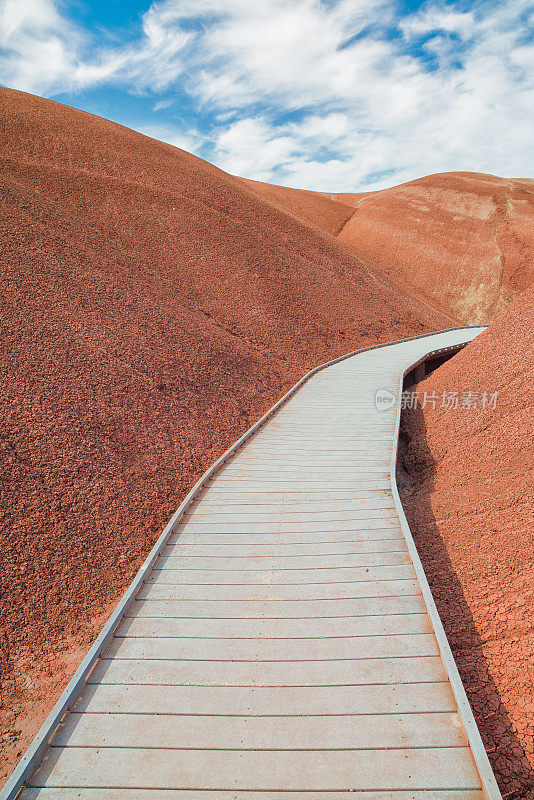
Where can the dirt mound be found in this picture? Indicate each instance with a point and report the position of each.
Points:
(327, 212)
(152, 307)
(463, 241)
(470, 505)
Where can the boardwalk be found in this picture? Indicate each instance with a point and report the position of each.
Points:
(284, 644)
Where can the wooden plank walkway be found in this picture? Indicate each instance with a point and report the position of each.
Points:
(284, 644)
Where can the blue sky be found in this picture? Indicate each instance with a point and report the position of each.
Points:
(338, 95)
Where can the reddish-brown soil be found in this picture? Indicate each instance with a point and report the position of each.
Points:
(152, 307)
(327, 212)
(330, 214)
(463, 241)
(470, 504)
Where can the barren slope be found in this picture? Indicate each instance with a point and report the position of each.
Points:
(470, 505)
(151, 308)
(463, 242)
(327, 212)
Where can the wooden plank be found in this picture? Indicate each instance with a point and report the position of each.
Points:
(299, 425)
(193, 794)
(256, 514)
(288, 527)
(317, 459)
(329, 440)
(275, 455)
(336, 575)
(286, 455)
(254, 485)
(364, 448)
(258, 733)
(287, 452)
(329, 444)
(283, 562)
(358, 537)
(409, 698)
(355, 647)
(320, 505)
(314, 461)
(292, 502)
(279, 592)
(360, 607)
(297, 420)
(272, 445)
(253, 549)
(433, 768)
(257, 488)
(247, 475)
(423, 669)
(238, 469)
(378, 457)
(322, 627)
(225, 509)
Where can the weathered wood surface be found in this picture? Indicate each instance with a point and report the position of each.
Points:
(281, 647)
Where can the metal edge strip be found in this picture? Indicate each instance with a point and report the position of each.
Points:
(482, 763)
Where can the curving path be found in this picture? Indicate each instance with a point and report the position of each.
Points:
(284, 644)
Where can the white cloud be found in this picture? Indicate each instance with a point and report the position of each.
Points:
(327, 95)
(184, 138)
(436, 19)
(38, 45)
(42, 52)
(327, 131)
(286, 52)
(161, 105)
(378, 107)
(249, 147)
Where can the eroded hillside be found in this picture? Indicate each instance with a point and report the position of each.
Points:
(462, 242)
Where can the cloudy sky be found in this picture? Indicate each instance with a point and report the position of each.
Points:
(336, 95)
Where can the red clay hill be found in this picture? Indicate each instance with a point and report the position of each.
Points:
(464, 242)
(152, 307)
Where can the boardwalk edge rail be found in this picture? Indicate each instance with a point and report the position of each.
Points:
(487, 778)
(34, 754)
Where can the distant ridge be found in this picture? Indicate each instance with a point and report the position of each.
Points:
(462, 241)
